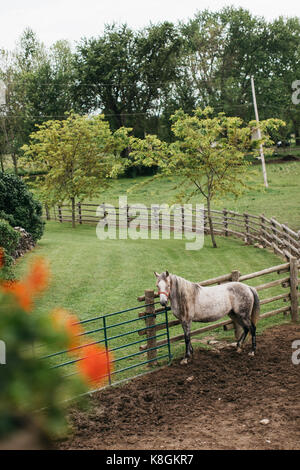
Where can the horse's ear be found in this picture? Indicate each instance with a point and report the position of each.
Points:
(167, 273)
(156, 274)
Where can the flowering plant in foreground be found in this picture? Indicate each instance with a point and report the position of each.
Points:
(30, 391)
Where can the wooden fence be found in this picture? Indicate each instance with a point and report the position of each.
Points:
(287, 279)
(266, 232)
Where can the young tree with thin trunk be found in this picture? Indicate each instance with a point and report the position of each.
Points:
(208, 155)
(78, 155)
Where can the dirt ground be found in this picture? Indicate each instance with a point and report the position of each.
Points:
(215, 402)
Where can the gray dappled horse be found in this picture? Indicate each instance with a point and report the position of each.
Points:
(192, 302)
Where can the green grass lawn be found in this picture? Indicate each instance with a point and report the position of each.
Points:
(92, 277)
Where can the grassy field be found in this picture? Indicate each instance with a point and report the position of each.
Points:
(92, 277)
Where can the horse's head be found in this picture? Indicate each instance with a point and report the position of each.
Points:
(163, 285)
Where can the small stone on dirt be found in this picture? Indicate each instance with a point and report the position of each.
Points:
(265, 421)
(190, 378)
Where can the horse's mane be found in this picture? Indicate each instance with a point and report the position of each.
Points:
(183, 285)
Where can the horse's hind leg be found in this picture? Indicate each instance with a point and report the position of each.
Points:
(242, 338)
(188, 345)
(242, 328)
(238, 329)
(247, 325)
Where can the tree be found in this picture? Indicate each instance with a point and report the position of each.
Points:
(78, 154)
(208, 155)
(124, 73)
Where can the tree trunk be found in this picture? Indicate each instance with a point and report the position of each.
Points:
(73, 211)
(211, 227)
(15, 162)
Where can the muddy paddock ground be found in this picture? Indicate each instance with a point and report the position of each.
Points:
(215, 402)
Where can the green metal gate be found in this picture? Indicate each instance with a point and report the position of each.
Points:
(122, 339)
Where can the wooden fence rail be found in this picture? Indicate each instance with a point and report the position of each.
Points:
(253, 229)
(290, 282)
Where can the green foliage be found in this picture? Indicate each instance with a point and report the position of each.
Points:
(9, 237)
(8, 217)
(79, 155)
(18, 206)
(126, 73)
(7, 272)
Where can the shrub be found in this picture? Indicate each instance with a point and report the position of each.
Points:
(9, 238)
(6, 263)
(18, 206)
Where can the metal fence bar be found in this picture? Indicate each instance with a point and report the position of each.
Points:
(138, 365)
(138, 353)
(135, 342)
(98, 342)
(106, 349)
(122, 334)
(114, 313)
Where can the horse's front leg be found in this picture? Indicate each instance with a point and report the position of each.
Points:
(188, 344)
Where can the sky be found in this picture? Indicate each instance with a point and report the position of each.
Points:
(73, 19)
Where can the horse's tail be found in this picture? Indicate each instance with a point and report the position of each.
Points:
(256, 306)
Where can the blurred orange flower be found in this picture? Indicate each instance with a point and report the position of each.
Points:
(96, 364)
(35, 282)
(38, 276)
(65, 320)
(20, 292)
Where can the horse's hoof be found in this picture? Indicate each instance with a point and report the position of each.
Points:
(239, 349)
(251, 353)
(184, 361)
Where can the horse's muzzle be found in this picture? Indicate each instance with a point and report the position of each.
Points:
(163, 300)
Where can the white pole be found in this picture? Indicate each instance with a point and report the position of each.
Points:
(262, 157)
(2, 93)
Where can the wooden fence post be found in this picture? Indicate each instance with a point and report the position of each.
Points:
(262, 230)
(225, 222)
(285, 238)
(235, 276)
(206, 230)
(294, 289)
(127, 215)
(79, 213)
(150, 324)
(59, 214)
(246, 221)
